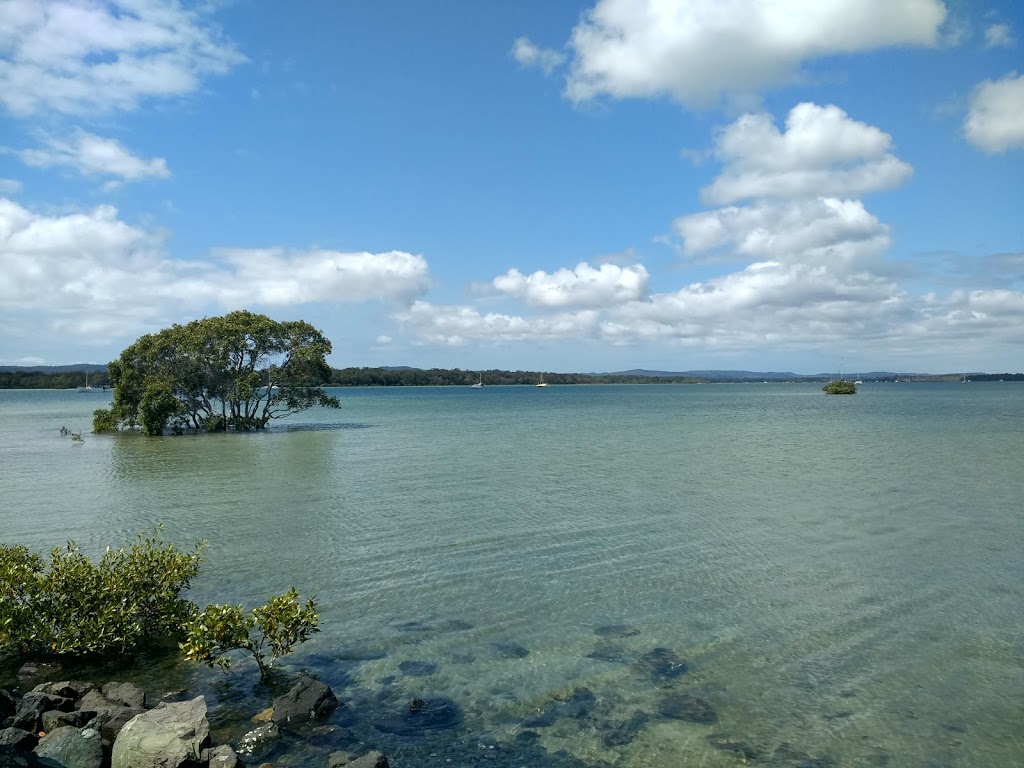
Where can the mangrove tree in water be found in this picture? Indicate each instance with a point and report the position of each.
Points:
(239, 371)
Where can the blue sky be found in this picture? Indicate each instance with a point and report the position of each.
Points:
(567, 186)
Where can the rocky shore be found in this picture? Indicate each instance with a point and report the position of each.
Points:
(76, 724)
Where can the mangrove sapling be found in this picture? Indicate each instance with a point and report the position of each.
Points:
(266, 633)
(71, 606)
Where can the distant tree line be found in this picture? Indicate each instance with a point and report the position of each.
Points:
(456, 377)
(62, 380)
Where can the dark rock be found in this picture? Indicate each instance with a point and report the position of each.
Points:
(55, 719)
(683, 706)
(371, 760)
(431, 714)
(110, 720)
(307, 700)
(8, 704)
(259, 741)
(417, 668)
(463, 658)
(730, 744)
(71, 748)
(508, 650)
(608, 652)
(623, 733)
(125, 695)
(17, 740)
(616, 630)
(168, 736)
(94, 700)
(69, 689)
(663, 665)
(30, 711)
(576, 703)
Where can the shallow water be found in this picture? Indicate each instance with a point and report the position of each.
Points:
(842, 576)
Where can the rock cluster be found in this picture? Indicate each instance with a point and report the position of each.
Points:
(75, 724)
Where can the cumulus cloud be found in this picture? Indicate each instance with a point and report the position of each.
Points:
(84, 56)
(821, 152)
(696, 51)
(995, 121)
(92, 155)
(811, 231)
(452, 325)
(90, 273)
(584, 286)
(998, 36)
(530, 55)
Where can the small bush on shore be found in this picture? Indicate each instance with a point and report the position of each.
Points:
(71, 605)
(272, 629)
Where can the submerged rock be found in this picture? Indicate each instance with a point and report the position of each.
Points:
(731, 744)
(417, 668)
(431, 714)
(608, 652)
(623, 733)
(508, 650)
(616, 630)
(683, 706)
(259, 741)
(576, 703)
(361, 653)
(662, 665)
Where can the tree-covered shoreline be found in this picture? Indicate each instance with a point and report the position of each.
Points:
(456, 377)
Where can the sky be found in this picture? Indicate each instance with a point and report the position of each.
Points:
(602, 185)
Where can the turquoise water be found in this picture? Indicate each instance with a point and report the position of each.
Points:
(842, 575)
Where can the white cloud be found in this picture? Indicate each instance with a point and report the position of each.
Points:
(276, 277)
(697, 51)
(448, 325)
(584, 286)
(91, 274)
(92, 155)
(998, 36)
(811, 231)
(530, 55)
(995, 121)
(822, 152)
(84, 56)
(9, 186)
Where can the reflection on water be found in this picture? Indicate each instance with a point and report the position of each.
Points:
(644, 576)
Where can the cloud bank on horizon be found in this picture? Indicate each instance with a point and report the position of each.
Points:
(636, 184)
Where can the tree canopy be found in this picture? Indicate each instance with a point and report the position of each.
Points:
(238, 371)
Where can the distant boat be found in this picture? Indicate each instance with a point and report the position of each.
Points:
(965, 380)
(86, 388)
(858, 381)
(542, 382)
(479, 384)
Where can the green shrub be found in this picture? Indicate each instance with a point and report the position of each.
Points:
(274, 629)
(71, 605)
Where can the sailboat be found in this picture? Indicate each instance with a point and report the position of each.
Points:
(542, 382)
(86, 388)
(479, 384)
